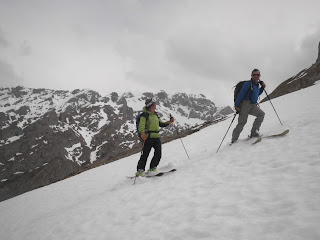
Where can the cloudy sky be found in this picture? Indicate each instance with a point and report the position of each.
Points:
(193, 46)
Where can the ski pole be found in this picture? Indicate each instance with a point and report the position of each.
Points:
(135, 177)
(180, 138)
(227, 130)
(169, 115)
(142, 146)
(273, 106)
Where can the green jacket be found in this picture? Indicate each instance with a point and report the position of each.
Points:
(152, 125)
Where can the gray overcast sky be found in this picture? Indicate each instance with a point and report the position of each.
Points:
(192, 46)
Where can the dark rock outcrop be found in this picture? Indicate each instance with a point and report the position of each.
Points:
(318, 59)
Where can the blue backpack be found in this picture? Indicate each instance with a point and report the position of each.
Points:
(143, 114)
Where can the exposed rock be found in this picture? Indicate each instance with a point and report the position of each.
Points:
(23, 110)
(182, 112)
(147, 95)
(226, 111)
(318, 59)
(38, 91)
(94, 97)
(128, 95)
(114, 97)
(11, 131)
(72, 100)
(76, 91)
(82, 96)
(18, 92)
(162, 95)
(3, 119)
(122, 101)
(194, 114)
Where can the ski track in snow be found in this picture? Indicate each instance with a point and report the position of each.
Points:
(265, 191)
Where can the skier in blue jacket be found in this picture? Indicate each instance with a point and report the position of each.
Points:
(246, 104)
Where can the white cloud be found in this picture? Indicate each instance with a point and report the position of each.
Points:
(194, 46)
(25, 49)
(3, 40)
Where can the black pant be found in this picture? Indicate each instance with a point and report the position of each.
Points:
(150, 143)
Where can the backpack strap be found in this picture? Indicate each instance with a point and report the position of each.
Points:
(251, 87)
(146, 115)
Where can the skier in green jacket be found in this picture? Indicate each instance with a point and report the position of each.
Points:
(149, 130)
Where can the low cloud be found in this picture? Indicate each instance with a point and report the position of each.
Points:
(8, 77)
(308, 48)
(25, 49)
(192, 46)
(3, 40)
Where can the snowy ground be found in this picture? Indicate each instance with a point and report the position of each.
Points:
(270, 190)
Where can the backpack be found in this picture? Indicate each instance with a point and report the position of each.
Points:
(143, 114)
(238, 88)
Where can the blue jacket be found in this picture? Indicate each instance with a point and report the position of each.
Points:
(247, 94)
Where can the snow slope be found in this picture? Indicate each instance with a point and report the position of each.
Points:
(266, 191)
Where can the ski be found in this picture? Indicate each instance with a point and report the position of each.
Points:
(244, 140)
(159, 174)
(257, 141)
(277, 135)
(271, 136)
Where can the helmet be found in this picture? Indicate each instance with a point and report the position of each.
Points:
(149, 102)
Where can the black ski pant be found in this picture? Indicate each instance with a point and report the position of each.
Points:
(148, 145)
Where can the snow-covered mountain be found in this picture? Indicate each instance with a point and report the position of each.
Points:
(47, 135)
(265, 191)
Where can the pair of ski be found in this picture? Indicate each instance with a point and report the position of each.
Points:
(259, 139)
(159, 174)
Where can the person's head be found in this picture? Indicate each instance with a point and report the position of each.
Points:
(151, 104)
(255, 75)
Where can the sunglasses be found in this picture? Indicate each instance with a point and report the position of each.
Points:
(255, 75)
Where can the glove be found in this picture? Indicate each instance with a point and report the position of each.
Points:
(237, 109)
(171, 120)
(144, 136)
(262, 84)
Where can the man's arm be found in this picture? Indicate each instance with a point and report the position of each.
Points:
(163, 124)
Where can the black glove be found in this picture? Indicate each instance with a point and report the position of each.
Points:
(171, 119)
(262, 84)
